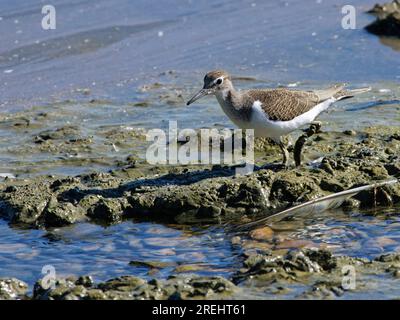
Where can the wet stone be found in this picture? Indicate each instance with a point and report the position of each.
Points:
(86, 281)
(108, 210)
(350, 132)
(263, 233)
(390, 257)
(60, 214)
(387, 21)
(377, 172)
(151, 264)
(131, 288)
(124, 283)
(12, 289)
(236, 240)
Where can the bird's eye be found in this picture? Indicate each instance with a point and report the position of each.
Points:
(219, 81)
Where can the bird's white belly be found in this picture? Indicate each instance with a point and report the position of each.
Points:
(264, 127)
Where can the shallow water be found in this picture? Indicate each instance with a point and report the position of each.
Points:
(104, 132)
(123, 65)
(112, 68)
(105, 252)
(114, 48)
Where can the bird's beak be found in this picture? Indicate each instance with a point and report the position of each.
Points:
(198, 95)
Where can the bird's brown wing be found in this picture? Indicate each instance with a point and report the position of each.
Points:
(285, 105)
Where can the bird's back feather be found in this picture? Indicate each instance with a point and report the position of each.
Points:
(284, 104)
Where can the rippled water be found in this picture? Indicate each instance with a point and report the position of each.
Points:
(364, 234)
(105, 252)
(131, 64)
(115, 47)
(110, 131)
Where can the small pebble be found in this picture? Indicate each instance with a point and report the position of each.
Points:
(263, 233)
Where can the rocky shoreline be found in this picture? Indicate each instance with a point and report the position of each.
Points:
(79, 161)
(319, 274)
(387, 21)
(214, 194)
(191, 195)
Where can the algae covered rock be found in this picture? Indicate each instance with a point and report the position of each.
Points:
(108, 210)
(134, 288)
(188, 194)
(12, 289)
(25, 203)
(58, 214)
(387, 22)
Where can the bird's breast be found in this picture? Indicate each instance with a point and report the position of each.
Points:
(239, 117)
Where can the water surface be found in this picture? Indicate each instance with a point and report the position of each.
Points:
(106, 252)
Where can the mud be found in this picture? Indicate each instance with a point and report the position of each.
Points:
(188, 194)
(387, 21)
(133, 288)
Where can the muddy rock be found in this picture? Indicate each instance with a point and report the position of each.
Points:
(188, 194)
(250, 194)
(133, 288)
(151, 264)
(60, 214)
(25, 203)
(296, 260)
(387, 21)
(293, 187)
(389, 257)
(315, 272)
(324, 290)
(384, 196)
(12, 289)
(108, 210)
(382, 9)
(67, 132)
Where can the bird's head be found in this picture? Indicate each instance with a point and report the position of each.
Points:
(214, 82)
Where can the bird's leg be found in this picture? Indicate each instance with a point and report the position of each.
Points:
(285, 154)
(313, 129)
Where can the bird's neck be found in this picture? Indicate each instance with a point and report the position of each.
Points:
(231, 102)
(229, 97)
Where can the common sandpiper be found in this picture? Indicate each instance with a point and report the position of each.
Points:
(272, 113)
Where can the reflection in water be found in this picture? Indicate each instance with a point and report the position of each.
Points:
(156, 250)
(106, 252)
(392, 42)
(358, 234)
